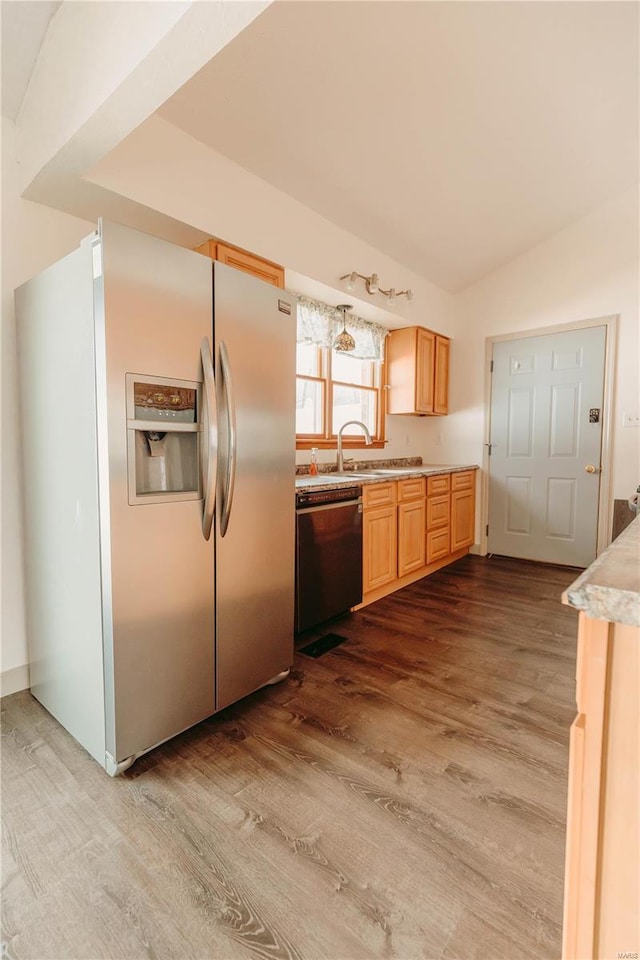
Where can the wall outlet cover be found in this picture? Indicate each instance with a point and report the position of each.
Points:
(631, 419)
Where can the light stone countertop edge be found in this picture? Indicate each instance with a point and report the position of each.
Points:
(610, 588)
(334, 483)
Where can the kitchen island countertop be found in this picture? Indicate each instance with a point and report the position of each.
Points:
(610, 588)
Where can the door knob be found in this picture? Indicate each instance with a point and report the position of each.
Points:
(591, 469)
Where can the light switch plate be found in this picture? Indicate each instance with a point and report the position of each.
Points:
(631, 419)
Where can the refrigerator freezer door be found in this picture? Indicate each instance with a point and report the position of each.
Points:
(158, 569)
(255, 558)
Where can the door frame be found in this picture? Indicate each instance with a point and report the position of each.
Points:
(605, 505)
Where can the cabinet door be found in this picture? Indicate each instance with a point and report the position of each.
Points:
(462, 519)
(380, 547)
(438, 544)
(256, 266)
(438, 511)
(441, 387)
(425, 348)
(411, 536)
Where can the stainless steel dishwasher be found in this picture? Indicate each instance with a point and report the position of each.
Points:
(328, 554)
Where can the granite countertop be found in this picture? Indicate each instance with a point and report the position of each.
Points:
(610, 588)
(360, 475)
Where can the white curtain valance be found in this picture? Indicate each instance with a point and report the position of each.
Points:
(320, 323)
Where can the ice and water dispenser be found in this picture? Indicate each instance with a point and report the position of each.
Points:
(163, 439)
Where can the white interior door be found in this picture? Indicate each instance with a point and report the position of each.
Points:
(546, 432)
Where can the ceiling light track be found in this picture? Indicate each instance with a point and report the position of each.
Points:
(373, 287)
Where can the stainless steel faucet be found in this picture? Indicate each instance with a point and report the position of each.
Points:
(367, 437)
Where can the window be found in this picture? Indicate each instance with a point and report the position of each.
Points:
(332, 388)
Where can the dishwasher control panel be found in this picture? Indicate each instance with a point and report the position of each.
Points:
(318, 498)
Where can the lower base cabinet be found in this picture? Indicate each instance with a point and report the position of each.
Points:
(602, 882)
(411, 540)
(462, 519)
(437, 544)
(380, 547)
(413, 527)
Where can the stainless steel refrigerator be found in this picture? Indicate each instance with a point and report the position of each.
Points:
(158, 406)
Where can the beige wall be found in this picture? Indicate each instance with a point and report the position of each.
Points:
(588, 270)
(33, 236)
(225, 200)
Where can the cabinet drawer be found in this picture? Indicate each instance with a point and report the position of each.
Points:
(437, 544)
(378, 494)
(441, 484)
(438, 511)
(412, 489)
(463, 480)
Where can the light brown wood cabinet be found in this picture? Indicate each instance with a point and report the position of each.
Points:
(243, 260)
(602, 883)
(411, 525)
(380, 547)
(417, 372)
(441, 378)
(438, 517)
(462, 509)
(411, 528)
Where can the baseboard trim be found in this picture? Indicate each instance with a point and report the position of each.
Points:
(400, 582)
(12, 681)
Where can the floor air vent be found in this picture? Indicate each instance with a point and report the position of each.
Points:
(322, 645)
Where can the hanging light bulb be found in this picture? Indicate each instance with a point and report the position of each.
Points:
(344, 342)
(391, 299)
(350, 285)
(409, 295)
(372, 283)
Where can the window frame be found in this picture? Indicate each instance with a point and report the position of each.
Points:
(328, 440)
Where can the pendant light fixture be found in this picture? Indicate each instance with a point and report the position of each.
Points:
(344, 341)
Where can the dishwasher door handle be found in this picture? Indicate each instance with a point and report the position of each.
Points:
(331, 506)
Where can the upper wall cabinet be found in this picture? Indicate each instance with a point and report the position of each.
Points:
(418, 372)
(241, 260)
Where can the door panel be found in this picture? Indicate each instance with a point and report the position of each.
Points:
(542, 503)
(255, 559)
(462, 519)
(380, 547)
(157, 567)
(518, 491)
(425, 371)
(411, 536)
(565, 408)
(520, 424)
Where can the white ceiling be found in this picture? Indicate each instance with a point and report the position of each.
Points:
(24, 24)
(453, 136)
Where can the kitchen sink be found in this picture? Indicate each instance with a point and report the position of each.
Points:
(389, 472)
(355, 475)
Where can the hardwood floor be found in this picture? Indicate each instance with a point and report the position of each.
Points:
(403, 796)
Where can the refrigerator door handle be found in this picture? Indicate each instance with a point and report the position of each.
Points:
(227, 382)
(210, 441)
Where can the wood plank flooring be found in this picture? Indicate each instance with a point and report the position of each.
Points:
(403, 796)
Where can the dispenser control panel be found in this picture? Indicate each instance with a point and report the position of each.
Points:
(163, 439)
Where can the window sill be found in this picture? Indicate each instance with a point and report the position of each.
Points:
(351, 443)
